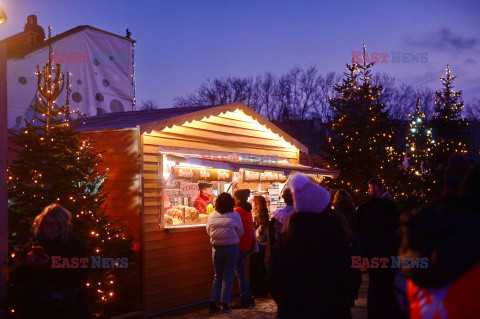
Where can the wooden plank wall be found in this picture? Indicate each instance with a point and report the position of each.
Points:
(178, 267)
(121, 157)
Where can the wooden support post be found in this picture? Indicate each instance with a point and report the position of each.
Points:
(3, 174)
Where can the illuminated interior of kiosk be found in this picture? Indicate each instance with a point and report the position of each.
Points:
(181, 189)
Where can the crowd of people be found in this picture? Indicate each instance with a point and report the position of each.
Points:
(303, 255)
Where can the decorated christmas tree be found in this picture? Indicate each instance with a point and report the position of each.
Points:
(419, 144)
(415, 180)
(361, 142)
(451, 131)
(53, 165)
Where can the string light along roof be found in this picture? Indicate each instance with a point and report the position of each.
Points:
(167, 119)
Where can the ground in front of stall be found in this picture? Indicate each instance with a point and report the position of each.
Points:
(265, 308)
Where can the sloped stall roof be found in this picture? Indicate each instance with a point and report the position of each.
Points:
(157, 120)
(120, 120)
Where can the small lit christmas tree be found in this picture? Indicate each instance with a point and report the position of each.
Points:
(361, 142)
(419, 143)
(450, 129)
(415, 180)
(54, 165)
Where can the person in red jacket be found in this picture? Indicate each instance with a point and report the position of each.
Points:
(244, 209)
(445, 234)
(203, 199)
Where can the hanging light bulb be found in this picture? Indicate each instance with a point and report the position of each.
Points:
(3, 16)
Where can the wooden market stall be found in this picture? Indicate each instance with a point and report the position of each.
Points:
(155, 158)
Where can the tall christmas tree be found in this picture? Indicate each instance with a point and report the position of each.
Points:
(451, 131)
(54, 165)
(361, 142)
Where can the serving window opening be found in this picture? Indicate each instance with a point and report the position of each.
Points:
(190, 190)
(184, 203)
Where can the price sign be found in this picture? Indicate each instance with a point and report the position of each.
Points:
(265, 177)
(183, 173)
(203, 174)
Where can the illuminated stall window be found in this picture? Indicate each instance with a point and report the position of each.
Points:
(182, 202)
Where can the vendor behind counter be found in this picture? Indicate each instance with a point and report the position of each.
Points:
(203, 198)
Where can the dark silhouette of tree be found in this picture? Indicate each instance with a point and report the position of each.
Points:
(472, 109)
(298, 95)
(400, 101)
(148, 105)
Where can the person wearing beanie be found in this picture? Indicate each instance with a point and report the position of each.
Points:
(307, 196)
(244, 209)
(309, 272)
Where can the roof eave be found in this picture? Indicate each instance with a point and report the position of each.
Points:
(216, 110)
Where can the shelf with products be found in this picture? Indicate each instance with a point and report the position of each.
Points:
(183, 204)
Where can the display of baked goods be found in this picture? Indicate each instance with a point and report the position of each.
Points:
(177, 222)
(202, 218)
(168, 220)
(175, 216)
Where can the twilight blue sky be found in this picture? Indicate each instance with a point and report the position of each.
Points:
(181, 43)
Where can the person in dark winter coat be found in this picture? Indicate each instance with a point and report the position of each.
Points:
(444, 235)
(309, 272)
(378, 223)
(47, 288)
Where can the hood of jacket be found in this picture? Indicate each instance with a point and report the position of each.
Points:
(245, 205)
(448, 234)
